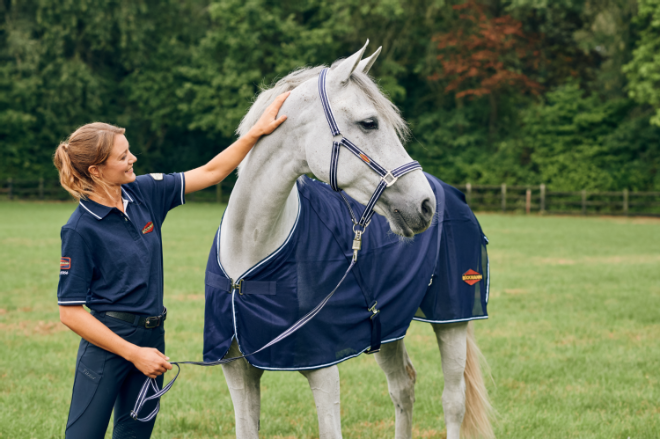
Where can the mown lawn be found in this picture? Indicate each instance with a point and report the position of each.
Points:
(573, 339)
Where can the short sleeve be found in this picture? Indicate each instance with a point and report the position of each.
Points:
(164, 192)
(76, 269)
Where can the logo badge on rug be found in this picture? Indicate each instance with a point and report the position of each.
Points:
(148, 228)
(65, 263)
(471, 277)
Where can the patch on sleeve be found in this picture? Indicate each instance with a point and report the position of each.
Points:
(65, 263)
(471, 277)
(157, 176)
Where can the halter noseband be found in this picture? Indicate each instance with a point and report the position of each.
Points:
(387, 178)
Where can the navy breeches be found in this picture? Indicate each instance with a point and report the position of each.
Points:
(105, 380)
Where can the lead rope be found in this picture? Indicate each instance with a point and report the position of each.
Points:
(151, 384)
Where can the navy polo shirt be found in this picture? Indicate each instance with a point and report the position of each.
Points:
(113, 261)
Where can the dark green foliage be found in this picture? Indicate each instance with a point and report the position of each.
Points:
(179, 76)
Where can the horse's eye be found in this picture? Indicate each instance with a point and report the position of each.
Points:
(369, 124)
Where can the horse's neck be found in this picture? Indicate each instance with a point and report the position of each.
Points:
(263, 206)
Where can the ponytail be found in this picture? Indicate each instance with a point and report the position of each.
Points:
(89, 145)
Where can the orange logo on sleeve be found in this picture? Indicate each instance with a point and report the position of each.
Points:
(65, 263)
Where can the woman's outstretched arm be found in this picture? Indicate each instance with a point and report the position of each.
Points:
(224, 163)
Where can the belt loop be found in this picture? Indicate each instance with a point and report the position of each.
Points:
(136, 320)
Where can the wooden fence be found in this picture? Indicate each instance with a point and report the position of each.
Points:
(529, 199)
(480, 197)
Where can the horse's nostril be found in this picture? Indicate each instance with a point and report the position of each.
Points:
(427, 209)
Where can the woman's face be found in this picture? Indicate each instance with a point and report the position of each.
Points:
(118, 168)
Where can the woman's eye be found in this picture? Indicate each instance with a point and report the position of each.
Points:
(369, 124)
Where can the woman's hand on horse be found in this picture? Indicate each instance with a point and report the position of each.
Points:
(224, 163)
(151, 362)
(269, 120)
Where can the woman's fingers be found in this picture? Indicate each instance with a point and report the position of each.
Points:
(267, 122)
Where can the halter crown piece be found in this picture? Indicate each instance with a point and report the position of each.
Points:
(387, 178)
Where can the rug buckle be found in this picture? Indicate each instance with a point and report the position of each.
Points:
(237, 286)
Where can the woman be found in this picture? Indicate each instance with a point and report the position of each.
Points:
(112, 263)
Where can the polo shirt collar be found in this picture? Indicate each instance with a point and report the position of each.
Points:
(99, 211)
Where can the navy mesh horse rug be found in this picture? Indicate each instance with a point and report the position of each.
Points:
(439, 276)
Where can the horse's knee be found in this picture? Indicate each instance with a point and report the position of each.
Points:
(401, 374)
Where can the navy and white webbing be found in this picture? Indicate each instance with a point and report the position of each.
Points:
(387, 178)
(151, 384)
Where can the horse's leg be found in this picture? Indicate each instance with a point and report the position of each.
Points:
(452, 340)
(401, 376)
(243, 381)
(325, 387)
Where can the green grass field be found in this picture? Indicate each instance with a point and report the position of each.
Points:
(573, 339)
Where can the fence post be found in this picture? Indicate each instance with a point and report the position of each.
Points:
(218, 193)
(584, 201)
(41, 188)
(625, 202)
(10, 189)
(468, 189)
(503, 197)
(542, 208)
(528, 201)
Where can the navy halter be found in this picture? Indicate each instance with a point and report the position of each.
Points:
(387, 178)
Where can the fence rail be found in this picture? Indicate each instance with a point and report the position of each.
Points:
(502, 198)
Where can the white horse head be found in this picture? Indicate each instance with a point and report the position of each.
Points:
(367, 118)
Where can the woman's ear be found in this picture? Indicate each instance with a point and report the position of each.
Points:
(95, 171)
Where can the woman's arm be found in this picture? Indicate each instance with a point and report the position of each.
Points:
(149, 361)
(224, 163)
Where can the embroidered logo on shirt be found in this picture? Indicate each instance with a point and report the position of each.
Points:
(65, 263)
(471, 277)
(148, 228)
(157, 176)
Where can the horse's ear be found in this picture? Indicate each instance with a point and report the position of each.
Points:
(342, 72)
(366, 63)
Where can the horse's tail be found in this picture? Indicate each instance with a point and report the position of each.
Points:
(478, 410)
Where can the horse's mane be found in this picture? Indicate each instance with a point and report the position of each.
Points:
(385, 108)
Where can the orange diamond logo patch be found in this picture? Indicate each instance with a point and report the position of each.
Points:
(471, 277)
(365, 158)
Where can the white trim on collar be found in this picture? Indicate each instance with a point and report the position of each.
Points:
(81, 203)
(126, 193)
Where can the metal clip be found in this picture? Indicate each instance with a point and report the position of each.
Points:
(373, 310)
(357, 244)
(237, 286)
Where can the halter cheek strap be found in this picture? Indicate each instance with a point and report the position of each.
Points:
(387, 177)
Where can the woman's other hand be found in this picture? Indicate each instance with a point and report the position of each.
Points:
(150, 361)
(268, 122)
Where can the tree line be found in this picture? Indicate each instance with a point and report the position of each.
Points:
(522, 92)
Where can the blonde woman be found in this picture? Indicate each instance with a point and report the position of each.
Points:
(112, 262)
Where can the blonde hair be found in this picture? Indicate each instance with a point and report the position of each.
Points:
(89, 145)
